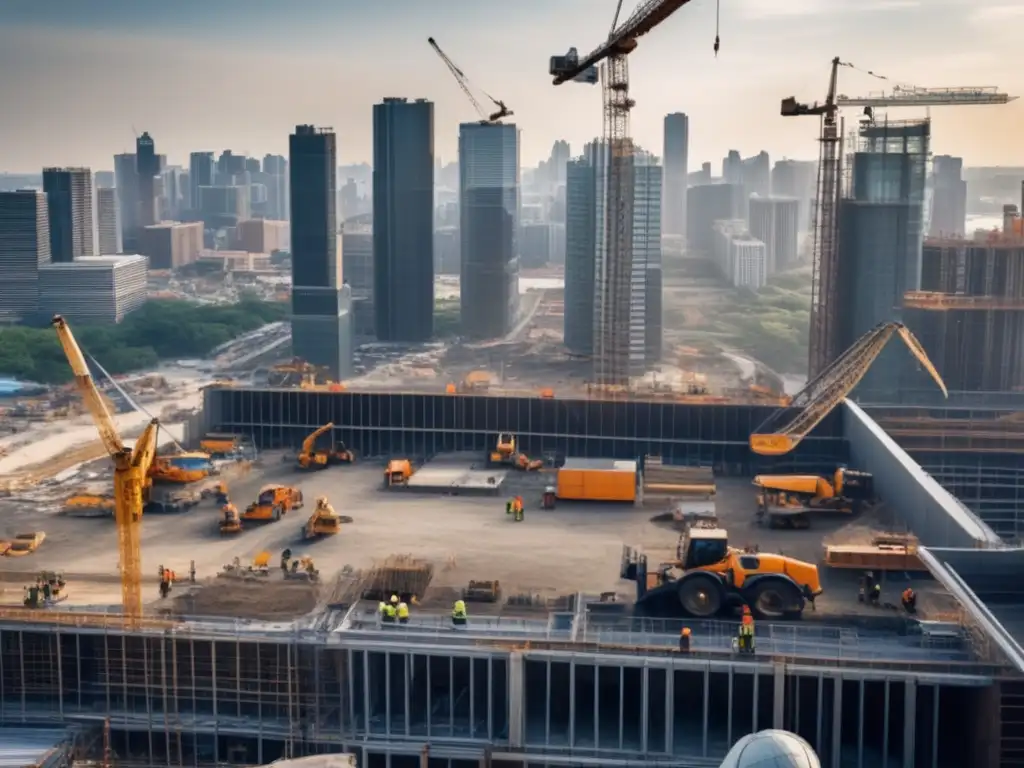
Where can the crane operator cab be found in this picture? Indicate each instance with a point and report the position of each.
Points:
(702, 545)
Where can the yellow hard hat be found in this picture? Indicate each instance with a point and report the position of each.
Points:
(394, 598)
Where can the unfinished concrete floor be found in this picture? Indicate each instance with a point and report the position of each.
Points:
(576, 547)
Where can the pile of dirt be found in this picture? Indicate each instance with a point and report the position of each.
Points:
(249, 599)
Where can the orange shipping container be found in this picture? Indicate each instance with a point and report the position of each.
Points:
(597, 480)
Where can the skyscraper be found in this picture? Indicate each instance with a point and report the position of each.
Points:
(489, 220)
(949, 197)
(403, 219)
(127, 179)
(275, 174)
(24, 248)
(69, 202)
(580, 254)
(321, 304)
(677, 153)
(200, 174)
(645, 306)
(774, 221)
(147, 164)
(108, 221)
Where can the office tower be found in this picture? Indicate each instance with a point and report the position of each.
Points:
(224, 206)
(148, 167)
(703, 176)
(275, 176)
(93, 289)
(171, 244)
(580, 255)
(403, 219)
(949, 197)
(69, 202)
(489, 222)
(230, 167)
(757, 174)
(732, 168)
(774, 221)
(200, 174)
(108, 221)
(169, 201)
(265, 236)
(24, 248)
(645, 305)
(447, 251)
(357, 247)
(706, 204)
(127, 178)
(104, 179)
(676, 151)
(797, 179)
(554, 167)
(321, 303)
(740, 257)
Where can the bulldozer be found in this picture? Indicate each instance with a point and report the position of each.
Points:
(709, 577)
(789, 501)
(230, 520)
(310, 457)
(505, 454)
(323, 522)
(272, 502)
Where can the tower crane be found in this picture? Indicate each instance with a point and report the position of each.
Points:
(612, 345)
(824, 254)
(785, 428)
(463, 81)
(131, 466)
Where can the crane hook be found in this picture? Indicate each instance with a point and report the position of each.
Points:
(718, 15)
(717, 45)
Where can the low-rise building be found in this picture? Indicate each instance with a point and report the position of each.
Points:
(172, 244)
(262, 235)
(93, 289)
(741, 258)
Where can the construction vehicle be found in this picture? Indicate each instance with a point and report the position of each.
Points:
(788, 501)
(220, 445)
(310, 457)
(323, 522)
(785, 428)
(505, 454)
(25, 543)
(709, 577)
(397, 472)
(825, 315)
(89, 505)
(181, 468)
(131, 469)
(230, 520)
(501, 111)
(273, 502)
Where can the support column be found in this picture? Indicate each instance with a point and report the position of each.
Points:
(837, 721)
(909, 722)
(516, 673)
(779, 699)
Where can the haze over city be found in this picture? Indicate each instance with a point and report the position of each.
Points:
(80, 76)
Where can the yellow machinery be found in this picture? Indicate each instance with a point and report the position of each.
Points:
(709, 576)
(273, 502)
(788, 500)
(505, 453)
(785, 428)
(131, 467)
(230, 520)
(398, 472)
(181, 468)
(90, 504)
(25, 543)
(311, 458)
(323, 522)
(220, 445)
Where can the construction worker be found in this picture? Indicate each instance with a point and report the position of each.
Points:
(403, 613)
(381, 610)
(518, 507)
(165, 582)
(192, 571)
(285, 557)
(508, 507)
(395, 601)
(390, 613)
(684, 640)
(459, 613)
(909, 600)
(745, 637)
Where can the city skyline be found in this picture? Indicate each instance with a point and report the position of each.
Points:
(229, 61)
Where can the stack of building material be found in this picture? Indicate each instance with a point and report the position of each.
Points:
(885, 552)
(402, 575)
(666, 484)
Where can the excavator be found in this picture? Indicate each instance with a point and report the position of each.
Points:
(505, 454)
(273, 502)
(323, 522)
(310, 457)
(131, 469)
(785, 428)
(788, 501)
(709, 577)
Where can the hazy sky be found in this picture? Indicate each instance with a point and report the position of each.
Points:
(79, 77)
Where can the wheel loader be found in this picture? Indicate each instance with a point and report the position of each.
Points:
(323, 522)
(789, 501)
(710, 577)
(273, 502)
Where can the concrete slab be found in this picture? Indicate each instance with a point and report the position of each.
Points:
(457, 474)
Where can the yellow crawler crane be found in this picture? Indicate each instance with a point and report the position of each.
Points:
(784, 429)
(131, 467)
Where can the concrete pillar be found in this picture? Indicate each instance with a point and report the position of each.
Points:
(986, 705)
(779, 698)
(516, 710)
(909, 722)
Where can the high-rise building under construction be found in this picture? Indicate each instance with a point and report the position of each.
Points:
(676, 152)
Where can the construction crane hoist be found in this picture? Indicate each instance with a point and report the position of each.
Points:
(498, 115)
(785, 428)
(131, 468)
(824, 343)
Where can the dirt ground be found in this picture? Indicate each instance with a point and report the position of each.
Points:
(575, 548)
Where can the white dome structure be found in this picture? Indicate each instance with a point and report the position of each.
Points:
(771, 749)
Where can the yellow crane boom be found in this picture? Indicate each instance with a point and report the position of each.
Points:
(131, 466)
(785, 428)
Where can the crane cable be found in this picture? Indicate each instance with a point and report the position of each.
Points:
(718, 18)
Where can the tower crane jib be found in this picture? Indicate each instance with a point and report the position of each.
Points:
(501, 111)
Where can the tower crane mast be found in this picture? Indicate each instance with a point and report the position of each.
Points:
(823, 346)
(498, 115)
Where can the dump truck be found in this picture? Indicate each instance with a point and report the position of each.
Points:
(230, 520)
(273, 502)
(323, 522)
(397, 472)
(311, 457)
(789, 501)
(710, 577)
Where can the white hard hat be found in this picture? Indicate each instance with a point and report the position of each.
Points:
(771, 749)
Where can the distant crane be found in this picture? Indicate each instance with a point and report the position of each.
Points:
(463, 81)
(824, 256)
(611, 354)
